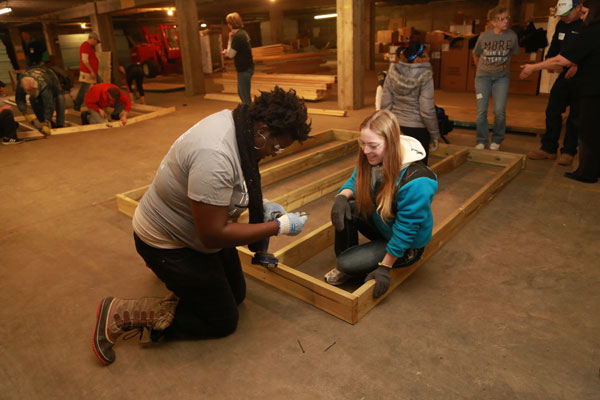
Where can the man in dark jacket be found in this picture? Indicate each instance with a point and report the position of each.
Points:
(563, 92)
(45, 95)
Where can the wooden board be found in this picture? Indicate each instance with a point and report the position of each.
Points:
(352, 306)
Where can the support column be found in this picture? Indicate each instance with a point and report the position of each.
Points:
(15, 38)
(191, 54)
(369, 34)
(350, 28)
(102, 25)
(52, 43)
(276, 22)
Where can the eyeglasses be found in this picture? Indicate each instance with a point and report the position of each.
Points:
(370, 146)
(502, 19)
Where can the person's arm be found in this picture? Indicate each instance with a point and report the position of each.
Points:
(427, 109)
(92, 100)
(5, 107)
(413, 210)
(85, 59)
(231, 47)
(387, 97)
(215, 231)
(549, 64)
(476, 60)
(21, 99)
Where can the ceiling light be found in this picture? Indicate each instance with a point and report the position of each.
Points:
(170, 12)
(5, 10)
(202, 25)
(83, 26)
(323, 16)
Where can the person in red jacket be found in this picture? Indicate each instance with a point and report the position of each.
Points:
(103, 95)
(88, 68)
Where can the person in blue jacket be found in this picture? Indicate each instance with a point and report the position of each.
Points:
(388, 200)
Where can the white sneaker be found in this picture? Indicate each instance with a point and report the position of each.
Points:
(480, 146)
(494, 146)
(336, 277)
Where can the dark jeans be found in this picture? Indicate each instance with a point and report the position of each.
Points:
(8, 126)
(244, 82)
(563, 94)
(589, 150)
(58, 105)
(209, 287)
(358, 260)
(422, 135)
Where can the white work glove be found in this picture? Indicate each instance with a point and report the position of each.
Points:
(272, 210)
(433, 146)
(291, 224)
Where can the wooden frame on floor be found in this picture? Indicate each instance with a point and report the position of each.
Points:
(352, 306)
(142, 112)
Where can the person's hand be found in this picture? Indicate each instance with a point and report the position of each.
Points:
(224, 52)
(291, 224)
(382, 280)
(102, 113)
(231, 33)
(93, 75)
(29, 119)
(433, 146)
(124, 119)
(571, 72)
(272, 210)
(340, 212)
(526, 71)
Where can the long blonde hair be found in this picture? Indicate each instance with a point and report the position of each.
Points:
(235, 20)
(383, 123)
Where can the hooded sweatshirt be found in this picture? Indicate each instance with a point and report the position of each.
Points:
(408, 93)
(413, 224)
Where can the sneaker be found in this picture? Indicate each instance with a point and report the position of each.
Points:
(8, 141)
(336, 277)
(480, 146)
(565, 159)
(540, 154)
(495, 146)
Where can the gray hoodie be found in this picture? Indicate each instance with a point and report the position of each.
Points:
(408, 93)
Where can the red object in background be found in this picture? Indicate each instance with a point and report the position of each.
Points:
(161, 53)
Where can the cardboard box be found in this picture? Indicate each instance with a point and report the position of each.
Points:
(455, 63)
(397, 23)
(387, 36)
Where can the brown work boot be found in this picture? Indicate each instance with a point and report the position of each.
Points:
(565, 159)
(540, 154)
(115, 316)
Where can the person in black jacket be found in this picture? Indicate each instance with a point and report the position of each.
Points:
(583, 51)
(240, 50)
(563, 92)
(134, 72)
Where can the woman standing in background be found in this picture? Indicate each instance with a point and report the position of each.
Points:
(240, 50)
(492, 54)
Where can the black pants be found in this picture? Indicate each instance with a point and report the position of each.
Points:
(562, 94)
(422, 135)
(209, 287)
(8, 126)
(589, 151)
(139, 83)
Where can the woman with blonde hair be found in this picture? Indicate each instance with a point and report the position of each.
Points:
(388, 200)
(240, 49)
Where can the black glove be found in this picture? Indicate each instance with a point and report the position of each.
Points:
(340, 211)
(382, 280)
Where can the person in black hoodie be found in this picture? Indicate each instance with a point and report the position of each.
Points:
(583, 51)
(563, 92)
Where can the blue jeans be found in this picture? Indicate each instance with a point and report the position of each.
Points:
(358, 260)
(244, 80)
(58, 105)
(498, 88)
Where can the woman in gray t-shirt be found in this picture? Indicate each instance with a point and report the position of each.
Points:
(492, 55)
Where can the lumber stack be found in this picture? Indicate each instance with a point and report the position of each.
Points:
(279, 58)
(311, 87)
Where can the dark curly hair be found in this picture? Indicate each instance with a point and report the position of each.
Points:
(283, 112)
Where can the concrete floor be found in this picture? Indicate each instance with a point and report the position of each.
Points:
(508, 309)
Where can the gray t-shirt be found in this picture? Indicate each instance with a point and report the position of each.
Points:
(203, 165)
(495, 51)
